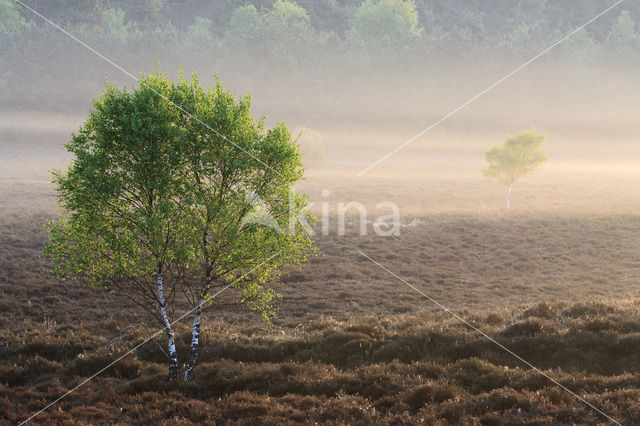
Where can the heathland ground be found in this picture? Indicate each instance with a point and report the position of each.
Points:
(556, 282)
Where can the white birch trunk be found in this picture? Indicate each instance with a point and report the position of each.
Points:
(173, 356)
(195, 343)
(195, 331)
(509, 197)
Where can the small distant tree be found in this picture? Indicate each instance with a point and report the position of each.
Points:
(518, 156)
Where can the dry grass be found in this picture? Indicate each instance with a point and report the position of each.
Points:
(351, 345)
(395, 369)
(556, 282)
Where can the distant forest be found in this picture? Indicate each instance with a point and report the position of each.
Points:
(311, 41)
(508, 23)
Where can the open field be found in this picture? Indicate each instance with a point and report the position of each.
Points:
(498, 139)
(352, 344)
(556, 282)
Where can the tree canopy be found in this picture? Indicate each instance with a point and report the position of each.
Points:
(11, 20)
(623, 33)
(386, 21)
(278, 32)
(518, 156)
(158, 197)
(313, 43)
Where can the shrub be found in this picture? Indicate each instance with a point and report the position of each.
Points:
(55, 349)
(152, 383)
(526, 328)
(476, 375)
(430, 393)
(41, 365)
(581, 310)
(505, 399)
(493, 319)
(11, 375)
(541, 310)
(87, 364)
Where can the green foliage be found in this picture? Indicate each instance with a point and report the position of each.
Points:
(281, 30)
(521, 36)
(244, 25)
(199, 33)
(122, 193)
(329, 16)
(386, 21)
(623, 31)
(377, 21)
(112, 21)
(224, 181)
(11, 21)
(518, 156)
(288, 22)
(317, 44)
(152, 187)
(579, 45)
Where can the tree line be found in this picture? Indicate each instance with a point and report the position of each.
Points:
(331, 50)
(369, 24)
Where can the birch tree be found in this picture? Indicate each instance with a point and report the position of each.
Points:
(124, 203)
(165, 195)
(234, 187)
(518, 156)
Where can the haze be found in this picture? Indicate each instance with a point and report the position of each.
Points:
(555, 279)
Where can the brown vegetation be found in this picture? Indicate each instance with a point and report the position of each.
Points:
(556, 282)
(351, 345)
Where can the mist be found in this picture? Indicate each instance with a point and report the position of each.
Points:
(393, 105)
(364, 101)
(588, 114)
